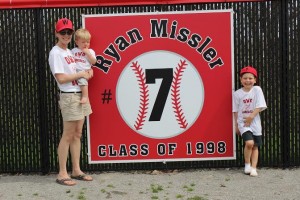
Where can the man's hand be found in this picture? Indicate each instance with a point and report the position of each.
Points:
(85, 74)
(90, 72)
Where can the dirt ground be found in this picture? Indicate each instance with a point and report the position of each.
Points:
(213, 184)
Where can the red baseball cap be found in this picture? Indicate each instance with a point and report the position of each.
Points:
(64, 23)
(248, 69)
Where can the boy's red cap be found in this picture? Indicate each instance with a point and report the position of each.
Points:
(64, 23)
(248, 69)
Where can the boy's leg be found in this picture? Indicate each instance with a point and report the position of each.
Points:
(254, 159)
(85, 94)
(255, 154)
(247, 155)
(249, 143)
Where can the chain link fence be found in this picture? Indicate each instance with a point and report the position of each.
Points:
(266, 35)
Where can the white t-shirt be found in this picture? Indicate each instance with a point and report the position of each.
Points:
(244, 104)
(81, 60)
(62, 61)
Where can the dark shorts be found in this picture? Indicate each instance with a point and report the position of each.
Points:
(249, 136)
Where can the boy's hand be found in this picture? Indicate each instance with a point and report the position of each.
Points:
(248, 120)
(85, 51)
(237, 131)
(92, 59)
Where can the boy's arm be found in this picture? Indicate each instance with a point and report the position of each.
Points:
(235, 114)
(91, 58)
(248, 120)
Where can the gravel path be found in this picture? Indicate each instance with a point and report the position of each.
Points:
(213, 184)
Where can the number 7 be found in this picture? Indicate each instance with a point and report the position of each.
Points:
(166, 75)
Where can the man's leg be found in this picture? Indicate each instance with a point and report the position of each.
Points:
(63, 151)
(75, 148)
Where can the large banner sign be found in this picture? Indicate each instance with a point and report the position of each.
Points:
(13, 4)
(162, 87)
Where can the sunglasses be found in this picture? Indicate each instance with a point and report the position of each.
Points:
(64, 32)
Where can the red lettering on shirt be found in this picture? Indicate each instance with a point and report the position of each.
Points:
(247, 100)
(79, 54)
(78, 60)
(74, 82)
(70, 59)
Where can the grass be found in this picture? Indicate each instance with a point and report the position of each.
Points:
(179, 196)
(156, 188)
(196, 198)
(103, 190)
(189, 188)
(81, 195)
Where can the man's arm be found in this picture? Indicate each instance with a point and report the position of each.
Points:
(66, 78)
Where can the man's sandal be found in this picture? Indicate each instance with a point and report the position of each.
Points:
(82, 177)
(64, 181)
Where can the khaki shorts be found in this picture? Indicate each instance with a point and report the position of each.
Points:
(71, 108)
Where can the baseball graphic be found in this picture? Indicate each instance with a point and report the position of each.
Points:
(160, 94)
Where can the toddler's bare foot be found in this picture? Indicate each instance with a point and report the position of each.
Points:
(84, 100)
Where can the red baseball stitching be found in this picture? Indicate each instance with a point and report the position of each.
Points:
(140, 75)
(175, 94)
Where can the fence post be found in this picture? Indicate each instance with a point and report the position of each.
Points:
(284, 101)
(43, 129)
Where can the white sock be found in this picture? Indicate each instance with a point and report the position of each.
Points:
(247, 165)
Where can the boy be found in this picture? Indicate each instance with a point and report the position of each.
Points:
(248, 101)
(84, 58)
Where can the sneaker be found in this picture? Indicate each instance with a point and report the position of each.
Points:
(247, 170)
(253, 173)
